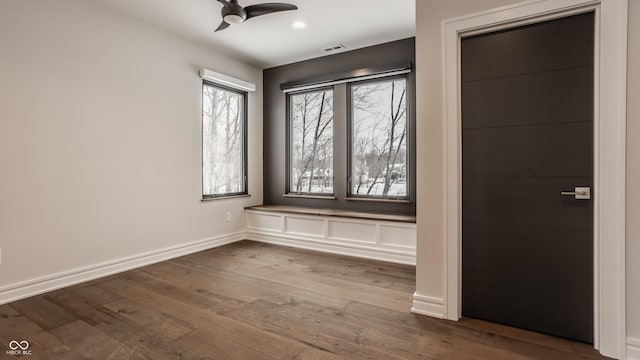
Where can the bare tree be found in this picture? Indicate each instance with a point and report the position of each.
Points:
(312, 121)
(379, 134)
(222, 131)
(397, 114)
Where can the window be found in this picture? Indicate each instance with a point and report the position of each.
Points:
(311, 142)
(378, 139)
(224, 122)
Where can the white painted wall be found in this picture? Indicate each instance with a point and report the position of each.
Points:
(430, 167)
(100, 139)
(430, 226)
(633, 176)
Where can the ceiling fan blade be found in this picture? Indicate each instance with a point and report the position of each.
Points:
(223, 25)
(267, 8)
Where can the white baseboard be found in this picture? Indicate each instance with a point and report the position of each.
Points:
(44, 284)
(633, 348)
(428, 305)
(341, 248)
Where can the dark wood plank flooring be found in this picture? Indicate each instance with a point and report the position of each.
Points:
(256, 301)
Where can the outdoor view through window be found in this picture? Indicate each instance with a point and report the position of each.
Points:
(378, 139)
(311, 142)
(223, 141)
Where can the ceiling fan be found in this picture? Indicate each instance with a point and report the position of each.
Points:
(234, 13)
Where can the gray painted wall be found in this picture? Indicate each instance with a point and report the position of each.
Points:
(275, 125)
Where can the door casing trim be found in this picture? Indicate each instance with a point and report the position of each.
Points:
(609, 152)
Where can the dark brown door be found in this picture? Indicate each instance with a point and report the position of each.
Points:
(527, 136)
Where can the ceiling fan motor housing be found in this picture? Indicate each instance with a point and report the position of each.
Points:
(233, 13)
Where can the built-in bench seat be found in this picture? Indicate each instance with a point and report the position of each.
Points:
(369, 235)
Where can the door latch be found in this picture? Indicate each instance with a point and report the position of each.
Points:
(580, 193)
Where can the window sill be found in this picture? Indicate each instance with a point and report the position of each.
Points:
(225, 197)
(320, 197)
(393, 201)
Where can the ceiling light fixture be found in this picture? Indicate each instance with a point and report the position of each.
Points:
(234, 13)
(233, 19)
(299, 25)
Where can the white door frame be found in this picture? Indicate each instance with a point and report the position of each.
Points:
(609, 152)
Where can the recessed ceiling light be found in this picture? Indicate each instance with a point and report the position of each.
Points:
(299, 25)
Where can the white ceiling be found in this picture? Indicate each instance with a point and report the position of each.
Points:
(270, 40)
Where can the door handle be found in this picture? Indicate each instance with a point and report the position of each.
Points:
(580, 193)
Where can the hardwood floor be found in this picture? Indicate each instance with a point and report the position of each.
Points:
(256, 301)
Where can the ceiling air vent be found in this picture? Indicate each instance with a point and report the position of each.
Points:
(333, 48)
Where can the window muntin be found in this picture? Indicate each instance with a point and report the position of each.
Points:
(224, 145)
(378, 139)
(311, 142)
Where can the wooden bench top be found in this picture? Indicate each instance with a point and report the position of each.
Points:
(333, 212)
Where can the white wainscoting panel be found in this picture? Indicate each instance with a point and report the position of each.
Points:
(304, 226)
(391, 241)
(352, 231)
(264, 222)
(398, 235)
(633, 348)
